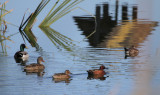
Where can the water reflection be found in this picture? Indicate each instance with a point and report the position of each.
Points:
(67, 80)
(59, 40)
(34, 72)
(114, 33)
(131, 52)
(37, 73)
(30, 37)
(101, 77)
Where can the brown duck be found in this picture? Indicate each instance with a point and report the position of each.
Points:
(62, 75)
(132, 51)
(99, 71)
(35, 66)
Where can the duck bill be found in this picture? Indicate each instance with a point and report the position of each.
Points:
(26, 47)
(43, 61)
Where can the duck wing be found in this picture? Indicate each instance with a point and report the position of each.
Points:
(20, 54)
(97, 72)
(34, 66)
(133, 52)
(61, 75)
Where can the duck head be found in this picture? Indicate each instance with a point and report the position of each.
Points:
(102, 67)
(22, 46)
(67, 72)
(39, 60)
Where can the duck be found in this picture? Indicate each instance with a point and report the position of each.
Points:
(99, 71)
(35, 67)
(64, 75)
(21, 54)
(132, 51)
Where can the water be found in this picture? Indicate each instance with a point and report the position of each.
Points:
(132, 22)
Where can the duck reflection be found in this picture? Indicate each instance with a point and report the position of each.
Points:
(113, 31)
(101, 77)
(62, 80)
(35, 72)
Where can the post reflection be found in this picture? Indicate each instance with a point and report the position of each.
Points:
(116, 31)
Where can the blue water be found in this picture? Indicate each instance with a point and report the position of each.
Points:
(135, 75)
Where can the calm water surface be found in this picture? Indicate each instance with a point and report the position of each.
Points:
(119, 24)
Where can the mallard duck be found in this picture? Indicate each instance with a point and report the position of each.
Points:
(62, 75)
(21, 54)
(132, 51)
(35, 66)
(99, 71)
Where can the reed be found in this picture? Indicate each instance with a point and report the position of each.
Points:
(26, 25)
(3, 13)
(3, 27)
(57, 12)
(29, 22)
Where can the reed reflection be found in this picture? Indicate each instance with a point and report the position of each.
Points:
(113, 31)
(30, 37)
(58, 39)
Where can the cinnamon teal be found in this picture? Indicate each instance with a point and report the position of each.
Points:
(99, 71)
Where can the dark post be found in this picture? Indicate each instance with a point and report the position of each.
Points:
(124, 12)
(134, 12)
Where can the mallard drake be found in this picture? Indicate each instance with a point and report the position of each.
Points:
(35, 66)
(132, 51)
(62, 75)
(99, 71)
(21, 54)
